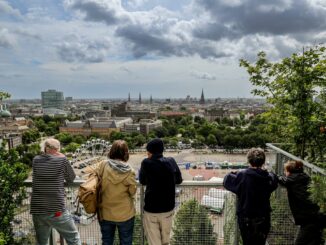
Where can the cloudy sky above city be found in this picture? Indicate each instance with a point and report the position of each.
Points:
(163, 48)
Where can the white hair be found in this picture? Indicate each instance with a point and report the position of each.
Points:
(52, 144)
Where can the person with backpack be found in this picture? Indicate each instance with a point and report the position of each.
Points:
(117, 208)
(160, 175)
(253, 187)
(50, 171)
(304, 211)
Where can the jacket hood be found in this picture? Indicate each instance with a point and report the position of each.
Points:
(118, 171)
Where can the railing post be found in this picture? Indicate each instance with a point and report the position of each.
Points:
(279, 171)
(236, 226)
(52, 237)
(142, 203)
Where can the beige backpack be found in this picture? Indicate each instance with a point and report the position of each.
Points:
(89, 193)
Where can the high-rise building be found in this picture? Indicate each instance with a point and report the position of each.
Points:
(139, 100)
(52, 99)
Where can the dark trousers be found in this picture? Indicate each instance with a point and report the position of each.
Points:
(125, 230)
(309, 234)
(254, 231)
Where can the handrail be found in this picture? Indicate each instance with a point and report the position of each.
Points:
(314, 168)
(186, 183)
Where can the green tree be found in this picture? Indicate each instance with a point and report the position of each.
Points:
(291, 86)
(71, 147)
(192, 224)
(211, 140)
(12, 192)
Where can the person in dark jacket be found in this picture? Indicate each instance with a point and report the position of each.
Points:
(253, 187)
(160, 175)
(304, 211)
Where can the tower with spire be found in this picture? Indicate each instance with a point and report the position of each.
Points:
(129, 97)
(202, 98)
(139, 100)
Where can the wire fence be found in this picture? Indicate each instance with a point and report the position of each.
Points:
(205, 214)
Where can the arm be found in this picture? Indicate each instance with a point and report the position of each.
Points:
(231, 182)
(274, 181)
(69, 172)
(142, 173)
(283, 180)
(132, 188)
(177, 173)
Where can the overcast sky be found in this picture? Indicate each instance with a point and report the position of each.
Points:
(163, 48)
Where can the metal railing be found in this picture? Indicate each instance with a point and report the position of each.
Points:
(205, 213)
(206, 205)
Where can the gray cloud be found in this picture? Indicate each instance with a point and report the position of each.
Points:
(216, 29)
(254, 16)
(7, 9)
(203, 75)
(6, 39)
(77, 49)
(110, 12)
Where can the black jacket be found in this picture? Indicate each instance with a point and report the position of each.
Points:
(303, 210)
(253, 188)
(160, 175)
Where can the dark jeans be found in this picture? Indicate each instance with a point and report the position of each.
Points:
(309, 234)
(254, 231)
(125, 230)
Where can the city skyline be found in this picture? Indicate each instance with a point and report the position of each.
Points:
(163, 49)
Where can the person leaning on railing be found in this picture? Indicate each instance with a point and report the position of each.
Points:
(304, 211)
(48, 209)
(117, 209)
(253, 187)
(160, 175)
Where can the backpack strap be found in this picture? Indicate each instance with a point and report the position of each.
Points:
(99, 189)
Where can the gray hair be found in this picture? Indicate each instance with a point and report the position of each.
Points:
(256, 157)
(52, 144)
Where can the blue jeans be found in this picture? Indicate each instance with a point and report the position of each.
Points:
(125, 229)
(64, 224)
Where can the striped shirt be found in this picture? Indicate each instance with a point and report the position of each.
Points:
(49, 174)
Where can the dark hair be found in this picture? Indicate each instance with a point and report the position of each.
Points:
(256, 157)
(119, 151)
(293, 166)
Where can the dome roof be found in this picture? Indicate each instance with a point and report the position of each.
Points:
(5, 113)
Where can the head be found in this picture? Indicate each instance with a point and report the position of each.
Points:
(155, 147)
(256, 157)
(119, 151)
(293, 166)
(51, 146)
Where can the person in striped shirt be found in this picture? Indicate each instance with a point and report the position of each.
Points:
(50, 171)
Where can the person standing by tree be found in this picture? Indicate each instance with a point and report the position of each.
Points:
(304, 211)
(253, 187)
(160, 175)
(48, 209)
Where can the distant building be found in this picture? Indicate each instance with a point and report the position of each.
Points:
(124, 110)
(144, 126)
(139, 100)
(101, 126)
(214, 113)
(173, 113)
(52, 99)
(68, 99)
(202, 98)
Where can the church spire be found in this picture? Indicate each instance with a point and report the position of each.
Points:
(202, 98)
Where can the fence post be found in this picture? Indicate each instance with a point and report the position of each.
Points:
(52, 237)
(142, 198)
(236, 226)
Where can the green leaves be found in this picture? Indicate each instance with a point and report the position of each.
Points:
(291, 86)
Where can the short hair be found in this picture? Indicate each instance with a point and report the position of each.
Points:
(256, 157)
(119, 151)
(52, 144)
(293, 166)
